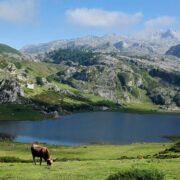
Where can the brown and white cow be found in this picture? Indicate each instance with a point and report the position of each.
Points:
(42, 153)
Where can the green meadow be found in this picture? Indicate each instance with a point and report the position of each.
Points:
(92, 162)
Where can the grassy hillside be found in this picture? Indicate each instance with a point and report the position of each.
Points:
(19, 112)
(87, 162)
(7, 49)
(46, 97)
(38, 68)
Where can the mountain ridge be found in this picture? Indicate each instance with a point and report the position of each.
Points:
(154, 42)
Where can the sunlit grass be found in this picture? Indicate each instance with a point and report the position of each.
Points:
(19, 112)
(142, 108)
(85, 162)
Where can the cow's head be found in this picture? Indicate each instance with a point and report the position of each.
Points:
(50, 161)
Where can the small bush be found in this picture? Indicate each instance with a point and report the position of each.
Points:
(3, 63)
(177, 100)
(166, 156)
(124, 78)
(26, 70)
(175, 147)
(18, 65)
(137, 174)
(39, 81)
(49, 79)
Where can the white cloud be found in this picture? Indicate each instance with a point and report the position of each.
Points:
(18, 11)
(161, 21)
(101, 18)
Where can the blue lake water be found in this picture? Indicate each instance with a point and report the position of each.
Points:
(95, 127)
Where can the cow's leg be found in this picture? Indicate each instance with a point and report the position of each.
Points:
(34, 160)
(40, 160)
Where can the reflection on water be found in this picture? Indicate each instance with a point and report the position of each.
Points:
(97, 127)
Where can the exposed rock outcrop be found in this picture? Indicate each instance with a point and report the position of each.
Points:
(11, 92)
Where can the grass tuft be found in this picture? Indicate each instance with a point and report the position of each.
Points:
(137, 174)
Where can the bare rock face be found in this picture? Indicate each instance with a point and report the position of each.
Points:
(142, 43)
(10, 92)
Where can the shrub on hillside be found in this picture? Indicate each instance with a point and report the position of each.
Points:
(39, 81)
(82, 57)
(177, 100)
(137, 174)
(18, 65)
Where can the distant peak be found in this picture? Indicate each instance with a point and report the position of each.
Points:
(111, 35)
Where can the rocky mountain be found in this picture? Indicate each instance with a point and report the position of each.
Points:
(174, 51)
(139, 44)
(26, 84)
(133, 79)
(92, 73)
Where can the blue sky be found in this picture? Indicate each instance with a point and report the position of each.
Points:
(36, 21)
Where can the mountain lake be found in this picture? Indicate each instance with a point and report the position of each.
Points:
(95, 127)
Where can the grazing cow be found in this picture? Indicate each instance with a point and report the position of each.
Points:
(42, 152)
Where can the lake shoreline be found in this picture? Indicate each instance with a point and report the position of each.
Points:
(95, 127)
(32, 114)
(8, 137)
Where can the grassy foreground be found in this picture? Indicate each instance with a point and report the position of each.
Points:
(91, 162)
